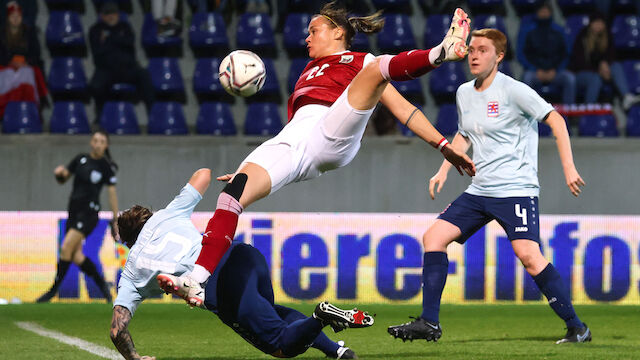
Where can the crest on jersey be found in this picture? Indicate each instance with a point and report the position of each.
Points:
(345, 59)
(95, 176)
(492, 109)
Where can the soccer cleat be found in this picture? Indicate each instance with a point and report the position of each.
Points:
(340, 319)
(454, 45)
(576, 335)
(183, 286)
(344, 352)
(419, 328)
(46, 297)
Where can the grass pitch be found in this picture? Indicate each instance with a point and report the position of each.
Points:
(173, 331)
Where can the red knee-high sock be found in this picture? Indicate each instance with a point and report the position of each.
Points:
(220, 232)
(407, 65)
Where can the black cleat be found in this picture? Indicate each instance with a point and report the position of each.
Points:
(419, 328)
(340, 319)
(344, 352)
(576, 335)
(46, 297)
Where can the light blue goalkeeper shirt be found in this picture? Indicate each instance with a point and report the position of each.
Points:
(168, 243)
(502, 124)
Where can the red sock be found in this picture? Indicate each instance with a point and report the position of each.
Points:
(217, 238)
(405, 66)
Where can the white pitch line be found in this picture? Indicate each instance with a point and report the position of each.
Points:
(70, 340)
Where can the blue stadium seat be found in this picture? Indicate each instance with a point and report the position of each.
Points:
(69, 118)
(167, 118)
(271, 88)
(569, 7)
(21, 117)
(360, 43)
(215, 118)
(575, 24)
(166, 76)
(631, 69)
(119, 118)
(64, 34)
(447, 121)
(505, 68)
(525, 6)
(489, 21)
(633, 121)
(396, 35)
(295, 33)
(297, 66)
(67, 76)
(123, 89)
(206, 80)
(208, 35)
(486, 7)
(412, 90)
(598, 126)
(155, 45)
(255, 33)
(444, 81)
(625, 31)
(435, 29)
(262, 119)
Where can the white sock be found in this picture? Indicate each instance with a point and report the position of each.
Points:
(199, 274)
(434, 54)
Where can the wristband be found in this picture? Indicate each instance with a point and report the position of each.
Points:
(442, 144)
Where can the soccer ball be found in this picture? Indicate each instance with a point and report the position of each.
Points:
(242, 73)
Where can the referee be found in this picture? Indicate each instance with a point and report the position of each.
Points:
(91, 171)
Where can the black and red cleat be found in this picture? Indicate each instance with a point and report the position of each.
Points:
(340, 319)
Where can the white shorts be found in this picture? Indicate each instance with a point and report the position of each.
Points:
(306, 147)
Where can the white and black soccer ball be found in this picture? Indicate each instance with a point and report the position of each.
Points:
(242, 73)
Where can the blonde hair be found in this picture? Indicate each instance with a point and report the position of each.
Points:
(497, 37)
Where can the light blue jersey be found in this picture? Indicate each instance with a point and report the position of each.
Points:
(502, 124)
(168, 243)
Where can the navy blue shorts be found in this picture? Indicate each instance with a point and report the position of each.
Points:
(518, 216)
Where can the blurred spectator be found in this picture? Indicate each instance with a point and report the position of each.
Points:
(21, 77)
(112, 45)
(29, 12)
(164, 13)
(593, 61)
(257, 6)
(544, 55)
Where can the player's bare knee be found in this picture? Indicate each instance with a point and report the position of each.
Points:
(433, 243)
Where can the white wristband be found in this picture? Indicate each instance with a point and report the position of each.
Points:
(442, 144)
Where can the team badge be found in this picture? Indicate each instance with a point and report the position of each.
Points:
(492, 109)
(346, 59)
(95, 176)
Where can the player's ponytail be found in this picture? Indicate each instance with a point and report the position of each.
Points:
(337, 15)
(107, 153)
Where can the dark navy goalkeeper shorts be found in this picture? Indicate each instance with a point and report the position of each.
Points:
(518, 216)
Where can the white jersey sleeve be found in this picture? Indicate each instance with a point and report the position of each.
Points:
(183, 204)
(128, 295)
(529, 101)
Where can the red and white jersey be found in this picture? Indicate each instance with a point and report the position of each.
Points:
(325, 78)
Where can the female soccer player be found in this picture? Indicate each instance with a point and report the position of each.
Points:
(91, 172)
(499, 117)
(328, 111)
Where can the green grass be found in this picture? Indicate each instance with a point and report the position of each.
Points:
(173, 331)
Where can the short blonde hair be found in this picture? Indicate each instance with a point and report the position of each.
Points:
(496, 36)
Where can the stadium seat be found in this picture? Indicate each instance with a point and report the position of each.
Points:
(412, 90)
(444, 81)
(633, 121)
(396, 35)
(295, 33)
(167, 118)
(166, 78)
(575, 24)
(486, 7)
(155, 45)
(123, 91)
(526, 6)
(447, 120)
(631, 71)
(255, 33)
(208, 35)
(64, 34)
(435, 29)
(67, 77)
(262, 119)
(598, 126)
(69, 118)
(119, 118)
(390, 6)
(360, 43)
(206, 81)
(271, 90)
(490, 21)
(570, 7)
(21, 117)
(297, 66)
(215, 118)
(505, 68)
(625, 31)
